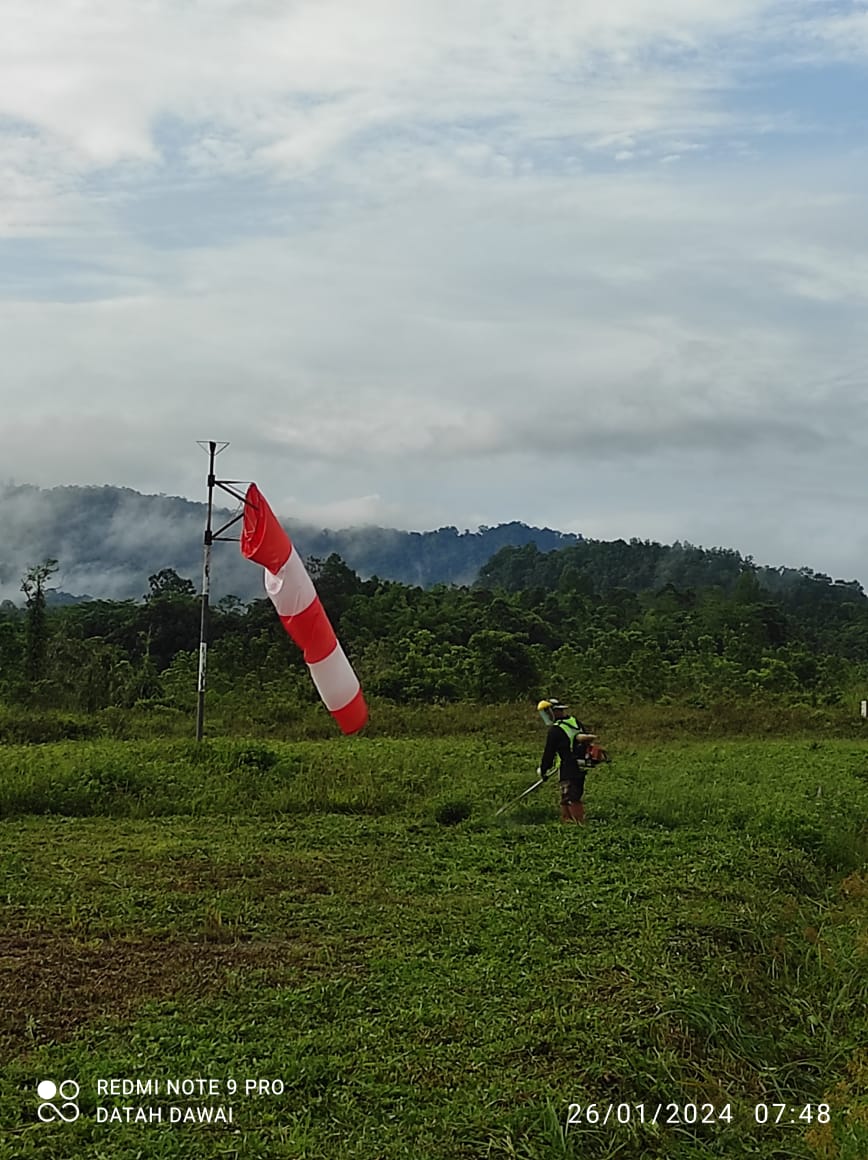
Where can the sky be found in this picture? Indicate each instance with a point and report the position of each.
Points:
(597, 267)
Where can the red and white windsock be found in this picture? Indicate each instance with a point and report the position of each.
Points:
(292, 593)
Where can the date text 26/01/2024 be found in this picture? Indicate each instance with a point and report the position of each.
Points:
(596, 1114)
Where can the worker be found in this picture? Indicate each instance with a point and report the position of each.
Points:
(566, 749)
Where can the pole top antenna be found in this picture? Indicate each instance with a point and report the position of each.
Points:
(209, 445)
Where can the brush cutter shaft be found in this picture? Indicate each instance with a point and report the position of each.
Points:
(529, 789)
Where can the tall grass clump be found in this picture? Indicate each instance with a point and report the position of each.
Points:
(452, 811)
(796, 795)
(223, 776)
(32, 727)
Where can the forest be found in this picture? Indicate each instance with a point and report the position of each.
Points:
(607, 622)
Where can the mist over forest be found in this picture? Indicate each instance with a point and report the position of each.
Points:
(109, 540)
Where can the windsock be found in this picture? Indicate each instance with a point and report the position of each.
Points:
(292, 593)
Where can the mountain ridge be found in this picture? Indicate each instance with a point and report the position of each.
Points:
(109, 539)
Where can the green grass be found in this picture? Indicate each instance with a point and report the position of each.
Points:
(277, 714)
(427, 981)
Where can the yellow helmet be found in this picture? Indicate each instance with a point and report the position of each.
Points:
(548, 708)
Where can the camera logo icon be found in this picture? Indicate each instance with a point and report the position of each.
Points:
(67, 1092)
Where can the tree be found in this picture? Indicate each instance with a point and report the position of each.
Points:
(36, 634)
(172, 616)
(229, 606)
(504, 667)
(336, 584)
(11, 649)
(167, 582)
(89, 674)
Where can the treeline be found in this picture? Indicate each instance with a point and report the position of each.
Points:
(609, 622)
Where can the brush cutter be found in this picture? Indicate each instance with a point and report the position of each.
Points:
(529, 789)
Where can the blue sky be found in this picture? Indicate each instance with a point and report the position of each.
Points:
(600, 267)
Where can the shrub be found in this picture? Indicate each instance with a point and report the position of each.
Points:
(37, 728)
(453, 811)
(253, 756)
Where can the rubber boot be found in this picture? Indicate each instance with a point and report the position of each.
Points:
(566, 814)
(577, 811)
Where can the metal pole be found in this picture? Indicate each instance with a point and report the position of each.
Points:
(206, 586)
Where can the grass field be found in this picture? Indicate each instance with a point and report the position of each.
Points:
(414, 978)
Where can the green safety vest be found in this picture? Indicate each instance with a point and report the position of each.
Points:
(571, 727)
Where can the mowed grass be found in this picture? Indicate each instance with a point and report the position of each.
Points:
(296, 912)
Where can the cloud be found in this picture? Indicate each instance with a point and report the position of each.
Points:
(371, 340)
(413, 259)
(837, 30)
(272, 86)
(354, 511)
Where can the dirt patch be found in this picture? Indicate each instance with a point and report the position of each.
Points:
(52, 984)
(257, 877)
